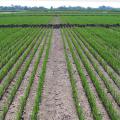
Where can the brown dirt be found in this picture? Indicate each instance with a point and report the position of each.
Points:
(101, 81)
(108, 66)
(81, 93)
(92, 87)
(57, 102)
(102, 69)
(15, 104)
(31, 98)
(13, 82)
(98, 101)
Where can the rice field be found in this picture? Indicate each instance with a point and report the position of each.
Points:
(67, 73)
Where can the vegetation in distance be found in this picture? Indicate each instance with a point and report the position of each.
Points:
(93, 52)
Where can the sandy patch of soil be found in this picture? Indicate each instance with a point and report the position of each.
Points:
(15, 104)
(92, 87)
(57, 102)
(31, 98)
(81, 93)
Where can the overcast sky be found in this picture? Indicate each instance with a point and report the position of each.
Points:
(57, 3)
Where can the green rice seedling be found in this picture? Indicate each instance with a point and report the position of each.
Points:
(114, 76)
(113, 90)
(41, 82)
(112, 111)
(91, 97)
(23, 99)
(18, 82)
(12, 73)
(73, 84)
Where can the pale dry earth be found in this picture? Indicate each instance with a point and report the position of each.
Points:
(11, 114)
(57, 102)
(83, 101)
(99, 104)
(31, 98)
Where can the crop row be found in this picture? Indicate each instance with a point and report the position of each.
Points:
(41, 81)
(4, 84)
(110, 86)
(74, 45)
(102, 51)
(15, 57)
(8, 41)
(72, 80)
(88, 91)
(114, 76)
(11, 50)
(33, 48)
(23, 99)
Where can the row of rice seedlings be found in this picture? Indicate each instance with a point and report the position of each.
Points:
(114, 76)
(13, 60)
(112, 111)
(89, 93)
(4, 84)
(40, 84)
(10, 40)
(23, 99)
(105, 54)
(18, 82)
(108, 44)
(73, 83)
(109, 39)
(106, 37)
(8, 43)
(14, 49)
(113, 90)
(6, 32)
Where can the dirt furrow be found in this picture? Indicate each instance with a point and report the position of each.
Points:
(5, 98)
(113, 75)
(100, 67)
(57, 102)
(15, 104)
(101, 81)
(81, 93)
(32, 94)
(98, 101)
(105, 89)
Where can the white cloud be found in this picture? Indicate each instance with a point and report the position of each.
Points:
(57, 3)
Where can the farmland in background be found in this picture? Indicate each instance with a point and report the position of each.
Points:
(65, 73)
(92, 19)
(10, 19)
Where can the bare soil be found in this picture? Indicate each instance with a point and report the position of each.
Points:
(81, 93)
(31, 98)
(11, 114)
(102, 82)
(99, 104)
(57, 102)
(5, 98)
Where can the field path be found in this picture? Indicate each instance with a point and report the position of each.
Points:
(57, 102)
